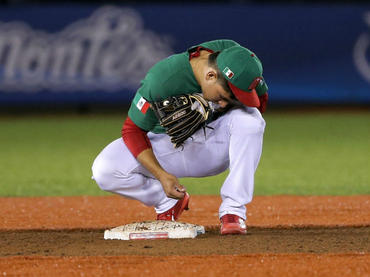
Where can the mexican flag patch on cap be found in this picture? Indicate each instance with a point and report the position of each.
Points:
(228, 72)
(141, 103)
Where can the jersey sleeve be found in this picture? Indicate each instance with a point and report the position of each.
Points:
(135, 138)
(140, 112)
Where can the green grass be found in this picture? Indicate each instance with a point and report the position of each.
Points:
(52, 155)
(314, 153)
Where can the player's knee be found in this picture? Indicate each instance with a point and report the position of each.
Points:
(102, 175)
(249, 121)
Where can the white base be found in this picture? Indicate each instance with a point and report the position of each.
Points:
(157, 229)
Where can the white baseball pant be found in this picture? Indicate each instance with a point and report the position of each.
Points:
(235, 142)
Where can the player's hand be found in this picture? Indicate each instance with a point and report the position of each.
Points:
(172, 187)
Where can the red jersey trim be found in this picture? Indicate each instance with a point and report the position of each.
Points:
(136, 139)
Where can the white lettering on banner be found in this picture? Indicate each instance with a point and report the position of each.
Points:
(108, 51)
(361, 49)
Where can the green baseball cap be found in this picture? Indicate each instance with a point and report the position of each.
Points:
(243, 71)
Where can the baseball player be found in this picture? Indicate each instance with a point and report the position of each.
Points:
(196, 114)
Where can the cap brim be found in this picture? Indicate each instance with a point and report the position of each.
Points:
(248, 98)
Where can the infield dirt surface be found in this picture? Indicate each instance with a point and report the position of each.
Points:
(287, 236)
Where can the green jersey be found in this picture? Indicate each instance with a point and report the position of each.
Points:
(169, 77)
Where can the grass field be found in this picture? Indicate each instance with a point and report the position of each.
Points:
(311, 153)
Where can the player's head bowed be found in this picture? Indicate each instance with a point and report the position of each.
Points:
(239, 72)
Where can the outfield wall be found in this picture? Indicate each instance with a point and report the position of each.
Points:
(98, 54)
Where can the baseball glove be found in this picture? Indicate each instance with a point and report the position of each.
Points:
(182, 115)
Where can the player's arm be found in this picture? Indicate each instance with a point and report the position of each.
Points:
(139, 145)
(170, 183)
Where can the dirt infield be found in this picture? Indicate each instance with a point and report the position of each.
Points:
(84, 242)
(287, 236)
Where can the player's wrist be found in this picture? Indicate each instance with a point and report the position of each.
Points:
(164, 176)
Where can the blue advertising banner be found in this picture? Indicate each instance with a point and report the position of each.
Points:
(99, 54)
